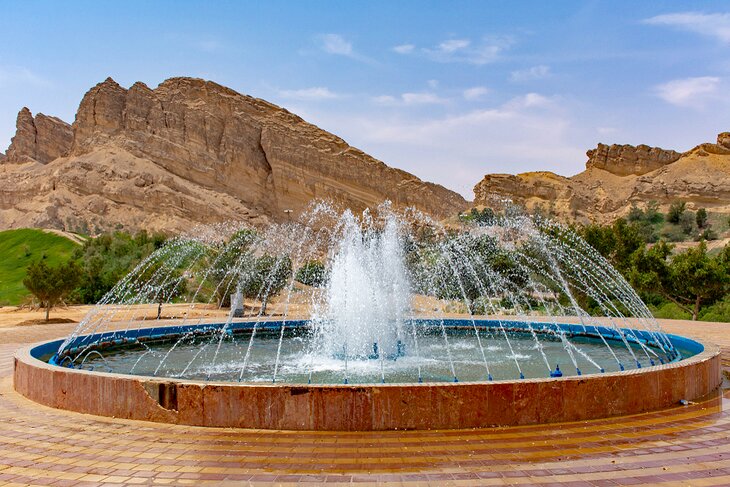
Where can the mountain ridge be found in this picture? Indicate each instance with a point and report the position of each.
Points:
(186, 152)
(617, 177)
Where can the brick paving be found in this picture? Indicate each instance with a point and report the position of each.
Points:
(686, 445)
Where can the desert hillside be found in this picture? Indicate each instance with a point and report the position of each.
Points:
(618, 176)
(189, 151)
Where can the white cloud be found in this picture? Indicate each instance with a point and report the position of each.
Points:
(457, 150)
(404, 48)
(335, 44)
(411, 99)
(422, 99)
(453, 45)
(530, 74)
(315, 93)
(715, 25)
(433, 83)
(475, 93)
(385, 100)
(20, 75)
(530, 100)
(466, 51)
(688, 91)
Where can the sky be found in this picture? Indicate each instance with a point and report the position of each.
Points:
(449, 91)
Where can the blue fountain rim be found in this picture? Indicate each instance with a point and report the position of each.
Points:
(129, 337)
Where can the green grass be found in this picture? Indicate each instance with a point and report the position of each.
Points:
(18, 248)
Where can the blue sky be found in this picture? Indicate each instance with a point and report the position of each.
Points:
(447, 90)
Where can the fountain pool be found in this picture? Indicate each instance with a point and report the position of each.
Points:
(382, 321)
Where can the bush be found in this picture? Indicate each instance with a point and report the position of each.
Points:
(635, 213)
(687, 222)
(676, 210)
(312, 273)
(707, 234)
(669, 311)
(652, 214)
(719, 311)
(701, 218)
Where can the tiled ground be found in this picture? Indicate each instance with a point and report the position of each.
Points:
(41, 446)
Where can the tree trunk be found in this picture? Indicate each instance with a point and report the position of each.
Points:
(696, 310)
(48, 311)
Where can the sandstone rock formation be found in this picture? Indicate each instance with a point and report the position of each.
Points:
(618, 176)
(190, 151)
(40, 139)
(624, 160)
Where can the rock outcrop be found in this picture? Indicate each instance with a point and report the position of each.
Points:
(618, 176)
(624, 160)
(191, 151)
(40, 138)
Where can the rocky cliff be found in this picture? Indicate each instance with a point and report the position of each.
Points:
(189, 151)
(40, 138)
(618, 176)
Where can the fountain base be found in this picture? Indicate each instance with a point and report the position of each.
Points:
(365, 407)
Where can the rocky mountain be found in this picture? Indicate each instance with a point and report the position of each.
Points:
(189, 151)
(618, 176)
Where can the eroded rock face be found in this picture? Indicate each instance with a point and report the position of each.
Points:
(723, 140)
(247, 147)
(40, 139)
(618, 176)
(624, 160)
(191, 151)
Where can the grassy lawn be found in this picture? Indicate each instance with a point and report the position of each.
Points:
(18, 248)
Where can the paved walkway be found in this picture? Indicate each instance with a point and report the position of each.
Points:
(687, 445)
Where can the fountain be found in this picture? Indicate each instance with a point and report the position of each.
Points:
(408, 324)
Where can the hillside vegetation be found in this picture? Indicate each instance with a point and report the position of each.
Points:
(20, 248)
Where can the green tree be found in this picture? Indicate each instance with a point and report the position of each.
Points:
(601, 238)
(689, 280)
(701, 218)
(312, 273)
(51, 284)
(652, 212)
(268, 279)
(108, 258)
(635, 213)
(676, 210)
(687, 222)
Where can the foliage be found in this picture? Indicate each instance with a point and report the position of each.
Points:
(106, 259)
(687, 222)
(720, 311)
(462, 265)
(18, 249)
(271, 273)
(235, 267)
(616, 243)
(50, 284)
(485, 216)
(701, 218)
(689, 279)
(676, 210)
(312, 273)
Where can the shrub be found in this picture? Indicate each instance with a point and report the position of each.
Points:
(701, 218)
(312, 273)
(669, 311)
(676, 210)
(687, 222)
(719, 311)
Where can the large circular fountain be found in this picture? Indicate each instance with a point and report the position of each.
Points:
(375, 322)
